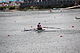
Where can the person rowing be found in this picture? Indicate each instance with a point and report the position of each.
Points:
(39, 27)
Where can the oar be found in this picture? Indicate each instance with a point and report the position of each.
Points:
(52, 27)
(27, 29)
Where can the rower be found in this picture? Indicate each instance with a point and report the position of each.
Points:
(39, 27)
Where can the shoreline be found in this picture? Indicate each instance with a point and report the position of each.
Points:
(14, 10)
(25, 9)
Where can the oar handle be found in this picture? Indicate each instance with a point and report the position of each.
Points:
(45, 27)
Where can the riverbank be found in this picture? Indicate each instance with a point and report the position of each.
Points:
(14, 8)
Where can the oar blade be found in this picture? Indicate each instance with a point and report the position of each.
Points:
(28, 30)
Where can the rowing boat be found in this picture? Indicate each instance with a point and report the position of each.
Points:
(39, 30)
(68, 31)
(43, 30)
(35, 30)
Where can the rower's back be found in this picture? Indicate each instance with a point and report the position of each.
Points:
(39, 26)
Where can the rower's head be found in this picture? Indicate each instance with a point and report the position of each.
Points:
(38, 23)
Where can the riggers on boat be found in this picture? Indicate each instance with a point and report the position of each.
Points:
(34, 30)
(39, 30)
(43, 30)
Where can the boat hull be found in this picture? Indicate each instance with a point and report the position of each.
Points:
(39, 30)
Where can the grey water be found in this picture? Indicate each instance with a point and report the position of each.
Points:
(13, 38)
